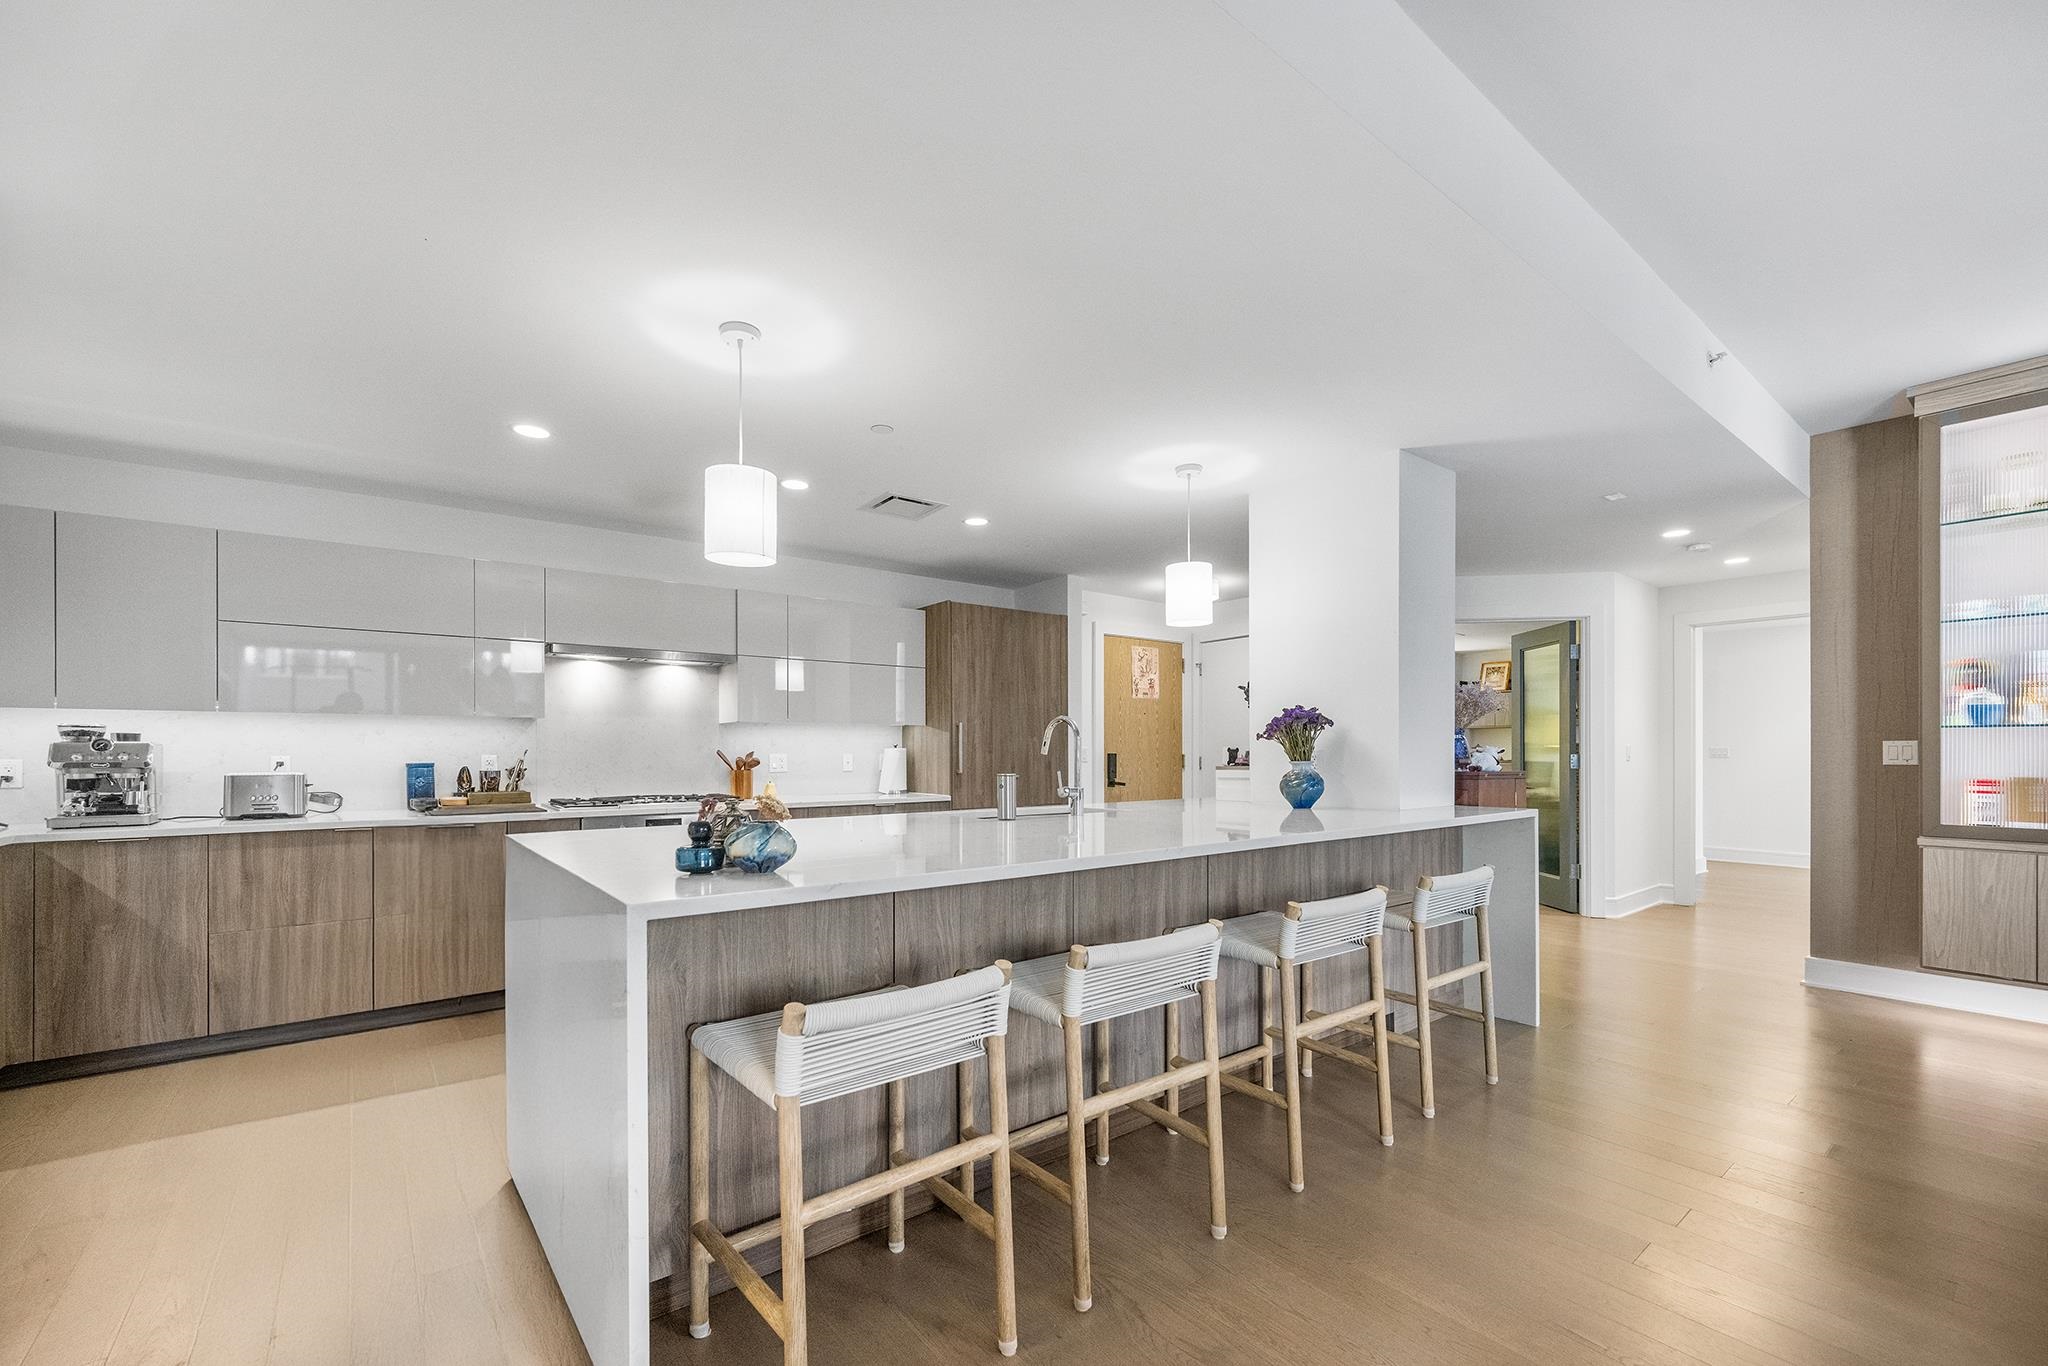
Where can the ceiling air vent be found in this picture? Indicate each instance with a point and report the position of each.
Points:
(902, 506)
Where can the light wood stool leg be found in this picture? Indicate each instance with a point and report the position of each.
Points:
(1419, 937)
(1486, 996)
(1212, 1084)
(789, 1157)
(1376, 965)
(1077, 1161)
(700, 1192)
(999, 1196)
(1172, 1051)
(1266, 1023)
(1308, 1003)
(1290, 1055)
(1101, 1085)
(896, 1146)
(964, 1113)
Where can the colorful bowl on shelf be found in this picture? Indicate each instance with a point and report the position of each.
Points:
(760, 847)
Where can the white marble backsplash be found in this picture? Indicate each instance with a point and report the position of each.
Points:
(610, 728)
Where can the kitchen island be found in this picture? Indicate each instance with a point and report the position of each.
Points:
(611, 956)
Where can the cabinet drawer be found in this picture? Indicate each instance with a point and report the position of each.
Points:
(439, 913)
(17, 953)
(120, 943)
(1980, 912)
(294, 582)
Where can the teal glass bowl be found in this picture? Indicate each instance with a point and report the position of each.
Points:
(760, 847)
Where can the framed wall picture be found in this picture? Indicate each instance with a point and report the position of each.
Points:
(1495, 674)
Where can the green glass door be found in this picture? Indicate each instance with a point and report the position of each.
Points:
(1545, 683)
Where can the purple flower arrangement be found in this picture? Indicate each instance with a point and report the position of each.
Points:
(1296, 730)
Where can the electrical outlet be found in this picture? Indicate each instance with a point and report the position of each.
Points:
(1717, 752)
(280, 763)
(10, 773)
(778, 763)
(489, 761)
(1902, 751)
(846, 763)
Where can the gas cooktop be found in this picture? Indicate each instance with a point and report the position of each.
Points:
(638, 799)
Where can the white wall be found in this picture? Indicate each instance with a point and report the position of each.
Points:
(1429, 631)
(1625, 807)
(1754, 695)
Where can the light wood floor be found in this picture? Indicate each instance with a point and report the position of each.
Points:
(1695, 1160)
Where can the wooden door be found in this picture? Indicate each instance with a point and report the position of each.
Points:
(120, 951)
(289, 935)
(1141, 719)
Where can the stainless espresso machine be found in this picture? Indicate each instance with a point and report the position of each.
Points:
(104, 779)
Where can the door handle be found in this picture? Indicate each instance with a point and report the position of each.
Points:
(959, 746)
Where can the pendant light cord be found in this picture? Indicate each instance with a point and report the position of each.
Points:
(740, 345)
(1191, 516)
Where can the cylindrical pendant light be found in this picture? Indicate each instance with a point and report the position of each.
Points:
(739, 499)
(1191, 583)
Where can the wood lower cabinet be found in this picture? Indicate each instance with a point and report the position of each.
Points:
(289, 930)
(17, 954)
(120, 943)
(1981, 911)
(438, 910)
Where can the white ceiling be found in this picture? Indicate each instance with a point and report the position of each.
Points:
(1849, 192)
(1059, 247)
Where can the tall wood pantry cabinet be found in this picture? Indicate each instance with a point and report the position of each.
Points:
(993, 677)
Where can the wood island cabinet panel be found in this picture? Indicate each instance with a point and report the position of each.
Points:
(17, 954)
(289, 932)
(1138, 901)
(439, 911)
(1981, 912)
(702, 969)
(120, 943)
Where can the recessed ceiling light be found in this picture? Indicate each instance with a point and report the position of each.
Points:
(1736, 559)
(796, 485)
(531, 431)
(1612, 497)
(1697, 546)
(1676, 532)
(881, 429)
(977, 521)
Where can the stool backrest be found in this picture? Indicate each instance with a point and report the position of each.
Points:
(1339, 924)
(1451, 894)
(837, 1047)
(1107, 980)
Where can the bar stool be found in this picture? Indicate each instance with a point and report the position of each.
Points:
(805, 1054)
(1279, 943)
(1447, 900)
(1090, 985)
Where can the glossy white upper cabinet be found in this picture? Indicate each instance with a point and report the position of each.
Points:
(135, 625)
(295, 582)
(28, 607)
(330, 671)
(511, 677)
(611, 609)
(764, 622)
(754, 688)
(825, 691)
(855, 633)
(511, 602)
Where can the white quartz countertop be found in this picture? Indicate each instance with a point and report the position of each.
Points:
(371, 818)
(898, 851)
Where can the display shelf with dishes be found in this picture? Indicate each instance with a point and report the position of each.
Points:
(1992, 710)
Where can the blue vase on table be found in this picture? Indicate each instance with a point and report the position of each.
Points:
(1301, 785)
(760, 847)
(1462, 746)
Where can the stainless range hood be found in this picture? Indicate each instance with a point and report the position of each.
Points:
(633, 654)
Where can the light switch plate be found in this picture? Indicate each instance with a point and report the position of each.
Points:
(1717, 752)
(10, 773)
(1902, 751)
(778, 763)
(846, 763)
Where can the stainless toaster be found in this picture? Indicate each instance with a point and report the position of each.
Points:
(248, 795)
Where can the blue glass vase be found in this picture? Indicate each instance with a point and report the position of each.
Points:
(1301, 784)
(1461, 747)
(760, 847)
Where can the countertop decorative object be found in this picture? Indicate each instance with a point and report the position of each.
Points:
(1296, 731)
(760, 847)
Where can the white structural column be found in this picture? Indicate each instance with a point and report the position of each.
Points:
(1353, 611)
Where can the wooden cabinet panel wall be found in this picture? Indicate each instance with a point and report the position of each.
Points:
(1981, 912)
(440, 929)
(17, 953)
(289, 928)
(120, 944)
(993, 677)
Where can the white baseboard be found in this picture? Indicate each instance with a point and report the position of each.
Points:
(1775, 858)
(1641, 899)
(2007, 999)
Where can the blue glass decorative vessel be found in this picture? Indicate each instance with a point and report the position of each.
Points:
(760, 847)
(1461, 746)
(1301, 785)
